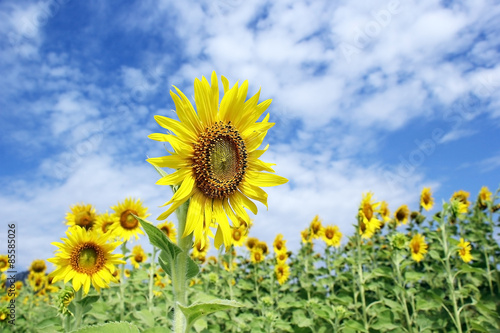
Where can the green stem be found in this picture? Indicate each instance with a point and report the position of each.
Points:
(122, 282)
(152, 269)
(450, 278)
(179, 269)
(361, 282)
(78, 308)
(403, 296)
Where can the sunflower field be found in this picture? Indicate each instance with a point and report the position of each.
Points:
(406, 271)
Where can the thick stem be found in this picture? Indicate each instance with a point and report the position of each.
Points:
(78, 308)
(403, 297)
(361, 282)
(179, 269)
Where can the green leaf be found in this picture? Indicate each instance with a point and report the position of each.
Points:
(479, 328)
(157, 330)
(411, 276)
(165, 263)
(146, 317)
(192, 268)
(89, 300)
(121, 327)
(299, 318)
(356, 325)
(160, 171)
(198, 310)
(48, 322)
(159, 239)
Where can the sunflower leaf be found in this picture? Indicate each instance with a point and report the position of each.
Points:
(192, 269)
(121, 327)
(165, 263)
(159, 239)
(198, 310)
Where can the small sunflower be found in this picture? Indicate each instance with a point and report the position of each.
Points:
(238, 236)
(281, 257)
(168, 229)
(462, 197)
(85, 257)
(279, 244)
(38, 266)
(216, 158)
(200, 251)
(418, 247)
(384, 212)
(426, 200)
(464, 249)
(4, 263)
(368, 223)
(251, 242)
(332, 236)
(316, 227)
(401, 215)
(282, 272)
(263, 245)
(306, 236)
(484, 197)
(138, 256)
(257, 255)
(127, 225)
(82, 215)
(105, 222)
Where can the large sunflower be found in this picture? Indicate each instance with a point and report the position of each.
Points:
(82, 215)
(216, 157)
(128, 225)
(85, 257)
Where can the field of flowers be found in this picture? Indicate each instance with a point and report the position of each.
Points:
(401, 272)
(408, 271)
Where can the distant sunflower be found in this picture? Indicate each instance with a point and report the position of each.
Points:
(127, 225)
(462, 197)
(238, 236)
(38, 266)
(200, 251)
(4, 263)
(251, 242)
(279, 244)
(368, 223)
(216, 158)
(464, 249)
(306, 236)
(138, 256)
(257, 255)
(85, 257)
(82, 215)
(484, 197)
(332, 236)
(418, 247)
(401, 215)
(263, 245)
(282, 272)
(426, 200)
(104, 222)
(168, 229)
(281, 257)
(316, 227)
(384, 212)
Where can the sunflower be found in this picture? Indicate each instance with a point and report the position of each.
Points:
(38, 266)
(4, 262)
(257, 255)
(279, 244)
(281, 257)
(251, 242)
(82, 215)
(418, 247)
(138, 256)
(282, 272)
(37, 281)
(462, 197)
(238, 236)
(263, 245)
(168, 229)
(401, 215)
(332, 236)
(306, 236)
(384, 212)
(85, 257)
(128, 226)
(484, 197)
(316, 227)
(216, 157)
(368, 223)
(426, 200)
(200, 252)
(105, 222)
(464, 249)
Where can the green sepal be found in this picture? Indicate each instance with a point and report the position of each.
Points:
(198, 310)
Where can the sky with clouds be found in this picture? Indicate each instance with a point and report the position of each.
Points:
(385, 96)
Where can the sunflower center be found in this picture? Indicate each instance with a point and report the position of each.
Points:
(368, 211)
(400, 215)
(3, 264)
(166, 231)
(220, 160)
(236, 235)
(139, 258)
(127, 221)
(416, 247)
(105, 226)
(329, 234)
(87, 258)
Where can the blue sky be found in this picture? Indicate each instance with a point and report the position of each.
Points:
(388, 97)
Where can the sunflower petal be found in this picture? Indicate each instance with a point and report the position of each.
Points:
(170, 161)
(174, 178)
(264, 179)
(177, 127)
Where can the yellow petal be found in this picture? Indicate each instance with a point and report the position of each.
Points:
(263, 179)
(177, 127)
(186, 112)
(175, 178)
(253, 192)
(170, 161)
